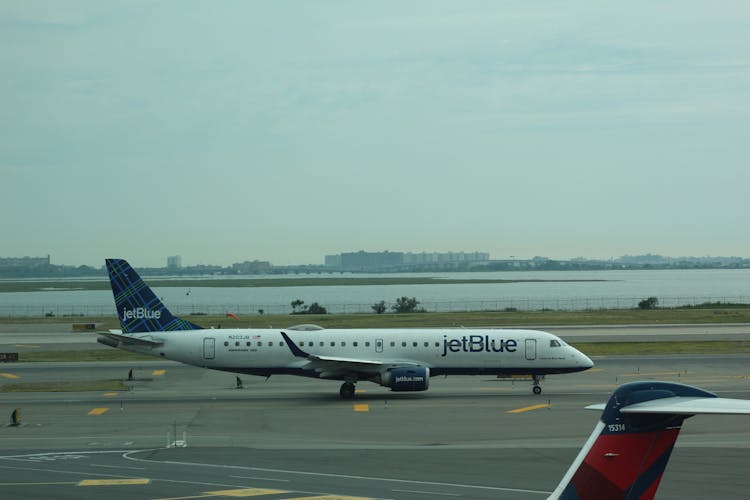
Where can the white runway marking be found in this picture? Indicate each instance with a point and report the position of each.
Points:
(128, 456)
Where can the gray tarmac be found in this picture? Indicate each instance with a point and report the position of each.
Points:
(289, 438)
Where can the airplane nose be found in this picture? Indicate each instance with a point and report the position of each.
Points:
(585, 361)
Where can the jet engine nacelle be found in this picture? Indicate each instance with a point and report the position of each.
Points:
(406, 378)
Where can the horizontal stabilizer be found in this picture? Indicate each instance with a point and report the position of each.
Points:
(685, 406)
(116, 336)
(691, 406)
(597, 406)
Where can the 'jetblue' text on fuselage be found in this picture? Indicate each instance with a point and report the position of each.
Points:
(140, 313)
(478, 343)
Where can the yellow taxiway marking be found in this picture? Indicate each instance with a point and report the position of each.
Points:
(98, 411)
(362, 407)
(28, 346)
(158, 372)
(184, 498)
(253, 492)
(113, 482)
(360, 391)
(528, 408)
(244, 492)
(8, 375)
(109, 394)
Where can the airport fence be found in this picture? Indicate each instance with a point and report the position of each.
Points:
(519, 304)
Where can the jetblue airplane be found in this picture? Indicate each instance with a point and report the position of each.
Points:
(630, 446)
(400, 359)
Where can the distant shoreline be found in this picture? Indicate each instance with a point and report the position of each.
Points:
(81, 284)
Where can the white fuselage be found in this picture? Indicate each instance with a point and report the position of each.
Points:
(443, 351)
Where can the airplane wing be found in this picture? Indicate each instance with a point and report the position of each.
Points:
(332, 365)
(117, 336)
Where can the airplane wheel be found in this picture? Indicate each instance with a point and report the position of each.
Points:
(537, 389)
(347, 390)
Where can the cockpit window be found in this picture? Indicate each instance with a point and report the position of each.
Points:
(554, 343)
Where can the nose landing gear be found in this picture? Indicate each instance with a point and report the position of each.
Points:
(536, 380)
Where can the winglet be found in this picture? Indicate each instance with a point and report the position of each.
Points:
(627, 453)
(296, 351)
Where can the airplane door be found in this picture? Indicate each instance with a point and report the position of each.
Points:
(378, 345)
(209, 348)
(530, 349)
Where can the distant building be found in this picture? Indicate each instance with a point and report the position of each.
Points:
(254, 267)
(371, 261)
(401, 261)
(174, 262)
(420, 259)
(24, 262)
(333, 261)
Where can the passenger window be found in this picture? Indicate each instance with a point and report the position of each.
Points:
(427, 344)
(247, 344)
(403, 344)
(281, 344)
(236, 344)
(309, 344)
(322, 344)
(270, 344)
(355, 344)
(333, 344)
(367, 344)
(226, 344)
(343, 344)
(414, 344)
(437, 344)
(260, 344)
(393, 344)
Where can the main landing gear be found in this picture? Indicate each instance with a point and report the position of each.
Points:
(347, 390)
(536, 380)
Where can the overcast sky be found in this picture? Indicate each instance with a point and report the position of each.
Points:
(284, 131)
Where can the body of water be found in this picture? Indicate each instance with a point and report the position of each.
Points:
(617, 289)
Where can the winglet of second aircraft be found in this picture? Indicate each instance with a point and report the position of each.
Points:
(293, 347)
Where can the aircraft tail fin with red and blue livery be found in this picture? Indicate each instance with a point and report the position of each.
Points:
(627, 453)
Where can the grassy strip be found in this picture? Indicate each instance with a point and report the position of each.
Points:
(82, 356)
(61, 386)
(645, 348)
(723, 314)
(492, 318)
